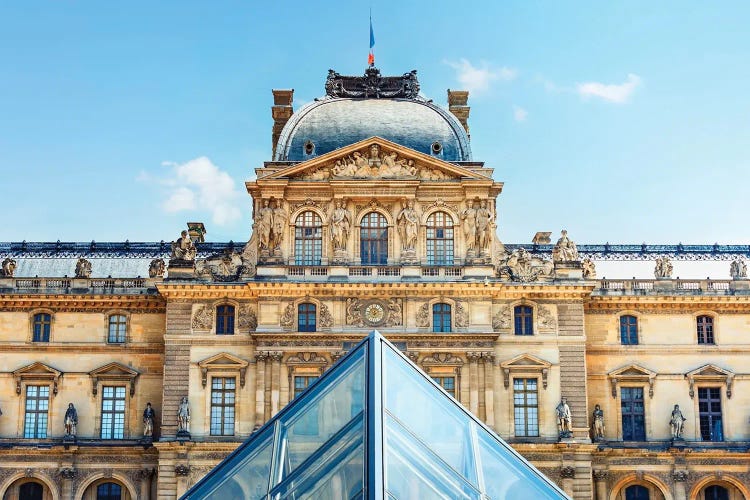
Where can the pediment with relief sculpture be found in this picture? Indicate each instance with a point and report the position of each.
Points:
(374, 158)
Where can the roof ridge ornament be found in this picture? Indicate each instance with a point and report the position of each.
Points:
(373, 85)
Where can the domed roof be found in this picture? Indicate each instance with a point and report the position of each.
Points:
(337, 120)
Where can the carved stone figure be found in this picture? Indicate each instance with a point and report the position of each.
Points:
(279, 224)
(264, 221)
(462, 315)
(341, 223)
(521, 266)
(598, 418)
(156, 268)
(8, 268)
(83, 268)
(469, 217)
(546, 318)
(564, 418)
(663, 268)
(589, 269)
(370, 163)
(408, 225)
(565, 249)
(737, 269)
(502, 319)
(423, 315)
(353, 312)
(70, 421)
(484, 228)
(395, 313)
(183, 248)
(149, 415)
(677, 422)
(183, 418)
(287, 318)
(203, 319)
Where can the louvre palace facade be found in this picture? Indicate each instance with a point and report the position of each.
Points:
(372, 214)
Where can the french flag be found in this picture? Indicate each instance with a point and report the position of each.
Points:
(371, 56)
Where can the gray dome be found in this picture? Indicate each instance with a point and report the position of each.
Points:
(332, 123)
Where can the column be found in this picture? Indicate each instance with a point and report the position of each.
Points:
(473, 382)
(275, 380)
(260, 387)
(489, 387)
(567, 474)
(600, 478)
(680, 478)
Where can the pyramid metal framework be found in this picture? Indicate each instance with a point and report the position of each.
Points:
(374, 426)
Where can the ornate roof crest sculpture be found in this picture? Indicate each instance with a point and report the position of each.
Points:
(372, 85)
(521, 266)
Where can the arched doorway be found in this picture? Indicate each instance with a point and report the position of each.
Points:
(28, 489)
(106, 489)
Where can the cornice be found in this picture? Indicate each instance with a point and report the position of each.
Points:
(83, 303)
(669, 304)
(334, 339)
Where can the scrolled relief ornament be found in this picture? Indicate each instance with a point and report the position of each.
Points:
(462, 315)
(395, 313)
(546, 318)
(326, 318)
(8, 268)
(247, 320)
(522, 267)
(287, 317)
(156, 268)
(423, 315)
(502, 319)
(353, 312)
(83, 268)
(203, 318)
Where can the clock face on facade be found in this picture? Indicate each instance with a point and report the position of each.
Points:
(374, 313)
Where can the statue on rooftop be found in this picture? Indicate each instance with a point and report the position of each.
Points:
(183, 248)
(589, 269)
(8, 268)
(565, 249)
(737, 269)
(156, 268)
(663, 268)
(83, 268)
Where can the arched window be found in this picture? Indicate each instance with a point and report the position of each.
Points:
(308, 239)
(716, 492)
(109, 491)
(705, 326)
(628, 330)
(636, 492)
(523, 317)
(440, 239)
(373, 240)
(42, 324)
(117, 329)
(306, 321)
(225, 320)
(31, 491)
(441, 317)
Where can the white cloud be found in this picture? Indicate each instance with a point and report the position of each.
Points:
(200, 185)
(610, 92)
(478, 79)
(520, 114)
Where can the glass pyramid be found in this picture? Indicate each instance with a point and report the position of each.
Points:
(374, 426)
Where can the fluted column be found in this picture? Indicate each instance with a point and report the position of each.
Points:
(600, 478)
(473, 382)
(489, 387)
(260, 387)
(275, 380)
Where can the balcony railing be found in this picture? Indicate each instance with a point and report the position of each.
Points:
(64, 285)
(641, 286)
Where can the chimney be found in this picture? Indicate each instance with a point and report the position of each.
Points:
(457, 100)
(281, 111)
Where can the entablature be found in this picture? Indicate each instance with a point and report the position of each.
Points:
(83, 303)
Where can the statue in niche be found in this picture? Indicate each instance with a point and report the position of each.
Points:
(565, 249)
(589, 269)
(598, 418)
(564, 418)
(279, 223)
(264, 222)
(484, 229)
(149, 415)
(469, 217)
(156, 268)
(408, 225)
(340, 225)
(737, 269)
(677, 422)
(183, 248)
(8, 268)
(83, 268)
(183, 418)
(70, 421)
(663, 268)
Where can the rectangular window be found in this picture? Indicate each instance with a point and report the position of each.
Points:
(302, 382)
(709, 410)
(42, 324)
(225, 320)
(37, 407)
(628, 330)
(525, 407)
(524, 320)
(447, 383)
(705, 326)
(117, 327)
(633, 417)
(222, 406)
(113, 412)
(441, 318)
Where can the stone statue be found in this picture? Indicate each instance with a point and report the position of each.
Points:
(564, 418)
(183, 248)
(279, 224)
(737, 269)
(408, 224)
(677, 422)
(263, 225)
(469, 216)
(484, 230)
(589, 269)
(598, 418)
(148, 421)
(71, 421)
(156, 268)
(340, 225)
(9, 267)
(183, 418)
(83, 268)
(565, 249)
(663, 268)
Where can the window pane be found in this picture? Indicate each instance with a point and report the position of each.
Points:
(308, 239)
(113, 412)
(222, 406)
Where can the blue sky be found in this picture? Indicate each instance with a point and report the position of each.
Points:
(620, 121)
